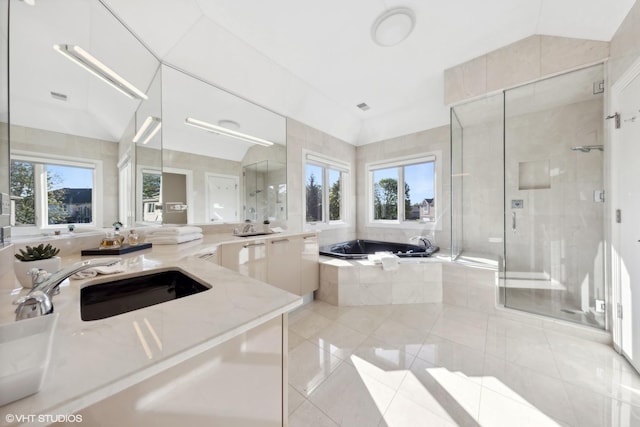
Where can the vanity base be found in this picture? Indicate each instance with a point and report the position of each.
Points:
(238, 383)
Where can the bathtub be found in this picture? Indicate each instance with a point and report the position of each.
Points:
(360, 249)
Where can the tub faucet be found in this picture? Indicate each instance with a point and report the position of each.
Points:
(38, 301)
(425, 242)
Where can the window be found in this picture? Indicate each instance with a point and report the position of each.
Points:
(151, 197)
(403, 190)
(325, 185)
(49, 192)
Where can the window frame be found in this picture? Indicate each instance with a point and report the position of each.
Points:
(400, 162)
(326, 163)
(41, 207)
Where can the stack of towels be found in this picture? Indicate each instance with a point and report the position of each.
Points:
(172, 235)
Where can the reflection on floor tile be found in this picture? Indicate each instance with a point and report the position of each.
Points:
(405, 412)
(295, 399)
(309, 366)
(352, 399)
(308, 415)
(339, 339)
(440, 365)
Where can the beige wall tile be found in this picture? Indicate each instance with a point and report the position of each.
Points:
(466, 80)
(559, 53)
(514, 64)
(302, 137)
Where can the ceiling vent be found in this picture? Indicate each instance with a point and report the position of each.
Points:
(363, 106)
(59, 96)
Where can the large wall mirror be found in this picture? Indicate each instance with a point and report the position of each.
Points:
(223, 158)
(78, 76)
(102, 132)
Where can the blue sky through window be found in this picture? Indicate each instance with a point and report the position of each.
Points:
(420, 178)
(71, 176)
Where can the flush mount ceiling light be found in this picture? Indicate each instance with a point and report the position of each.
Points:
(148, 130)
(393, 26)
(229, 124)
(226, 132)
(98, 69)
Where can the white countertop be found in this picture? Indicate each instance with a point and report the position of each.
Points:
(93, 360)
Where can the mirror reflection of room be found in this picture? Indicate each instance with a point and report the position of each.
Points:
(231, 153)
(70, 125)
(120, 130)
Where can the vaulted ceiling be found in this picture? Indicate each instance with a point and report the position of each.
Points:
(315, 61)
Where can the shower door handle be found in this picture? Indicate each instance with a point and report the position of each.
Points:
(513, 221)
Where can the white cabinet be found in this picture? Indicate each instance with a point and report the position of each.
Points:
(310, 264)
(283, 267)
(248, 258)
(240, 383)
(289, 262)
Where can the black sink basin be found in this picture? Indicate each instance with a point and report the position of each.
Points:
(121, 296)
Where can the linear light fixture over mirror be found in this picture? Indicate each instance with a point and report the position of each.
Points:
(226, 132)
(100, 70)
(148, 130)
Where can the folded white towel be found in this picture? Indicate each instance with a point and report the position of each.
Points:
(389, 262)
(172, 231)
(172, 240)
(93, 272)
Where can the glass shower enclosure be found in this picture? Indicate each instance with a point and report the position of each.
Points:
(544, 142)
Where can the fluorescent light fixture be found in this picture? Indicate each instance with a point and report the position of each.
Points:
(98, 69)
(226, 132)
(148, 130)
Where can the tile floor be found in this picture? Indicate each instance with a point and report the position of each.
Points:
(442, 365)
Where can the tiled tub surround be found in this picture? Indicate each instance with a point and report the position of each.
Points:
(361, 282)
(431, 280)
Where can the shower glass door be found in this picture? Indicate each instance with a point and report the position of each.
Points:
(554, 202)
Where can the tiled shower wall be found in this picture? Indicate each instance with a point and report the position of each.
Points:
(560, 228)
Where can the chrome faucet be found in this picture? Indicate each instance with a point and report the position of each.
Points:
(38, 301)
(248, 228)
(426, 242)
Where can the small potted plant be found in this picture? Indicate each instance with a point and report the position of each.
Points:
(42, 257)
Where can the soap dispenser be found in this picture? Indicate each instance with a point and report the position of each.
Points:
(116, 232)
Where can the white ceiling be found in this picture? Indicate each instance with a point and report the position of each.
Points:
(314, 61)
(92, 108)
(179, 95)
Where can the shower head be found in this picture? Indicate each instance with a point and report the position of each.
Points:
(587, 148)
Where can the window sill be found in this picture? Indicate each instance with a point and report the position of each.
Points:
(407, 225)
(325, 226)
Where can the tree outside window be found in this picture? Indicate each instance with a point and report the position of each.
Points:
(67, 190)
(323, 199)
(417, 180)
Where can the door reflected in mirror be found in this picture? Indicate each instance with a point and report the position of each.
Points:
(231, 153)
